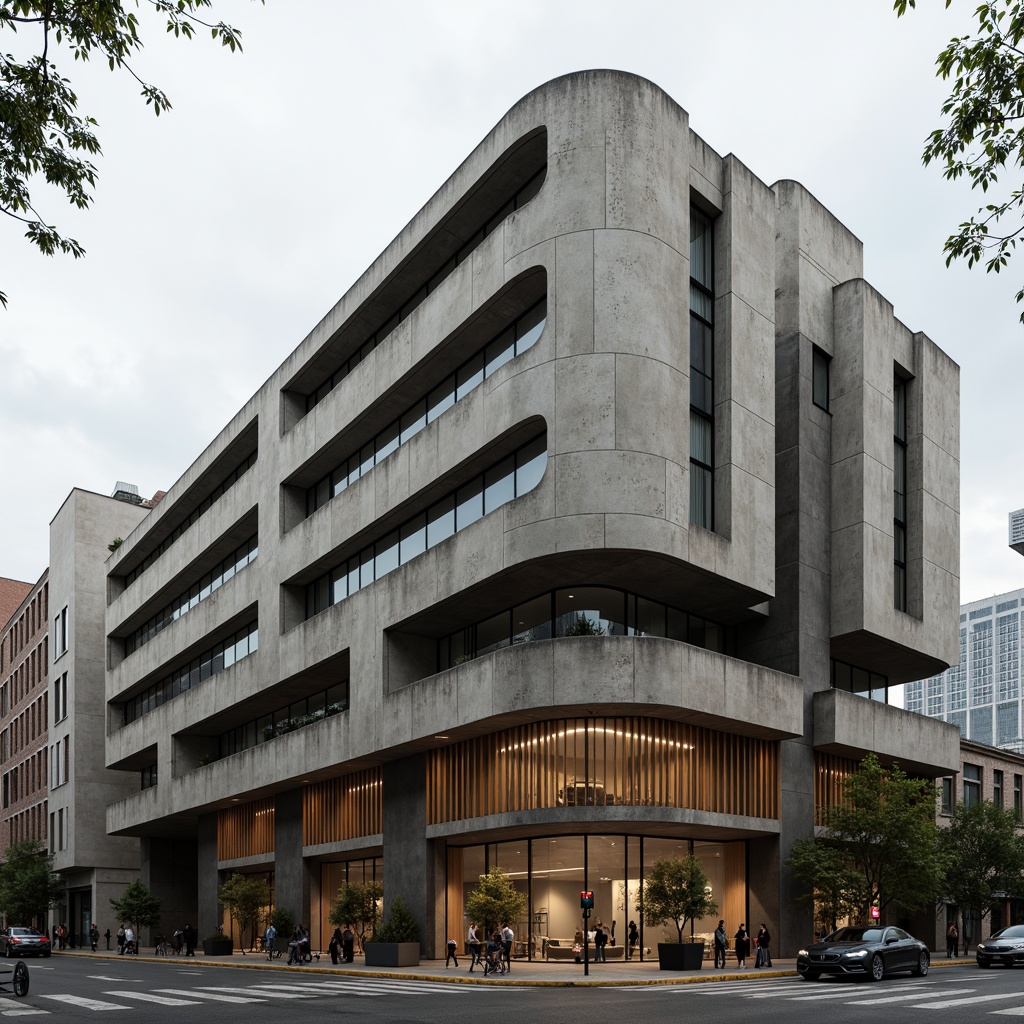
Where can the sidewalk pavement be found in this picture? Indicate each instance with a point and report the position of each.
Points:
(524, 973)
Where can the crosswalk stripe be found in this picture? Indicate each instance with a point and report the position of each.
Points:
(944, 1003)
(209, 995)
(14, 1008)
(368, 985)
(1013, 1011)
(150, 997)
(905, 998)
(270, 994)
(86, 1004)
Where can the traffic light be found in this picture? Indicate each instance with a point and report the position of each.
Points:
(586, 900)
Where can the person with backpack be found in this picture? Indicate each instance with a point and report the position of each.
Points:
(764, 953)
(721, 945)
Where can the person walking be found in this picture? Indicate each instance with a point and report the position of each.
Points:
(952, 940)
(106, 935)
(742, 940)
(473, 942)
(451, 953)
(633, 940)
(190, 940)
(721, 945)
(508, 937)
(120, 940)
(334, 946)
(348, 941)
(94, 936)
(600, 941)
(764, 952)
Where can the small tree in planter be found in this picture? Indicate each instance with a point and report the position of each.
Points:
(677, 890)
(245, 897)
(358, 905)
(495, 901)
(396, 943)
(138, 906)
(284, 925)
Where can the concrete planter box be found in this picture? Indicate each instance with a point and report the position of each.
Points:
(392, 954)
(218, 947)
(680, 956)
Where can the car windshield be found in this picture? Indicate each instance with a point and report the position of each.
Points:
(855, 935)
(1015, 931)
(24, 931)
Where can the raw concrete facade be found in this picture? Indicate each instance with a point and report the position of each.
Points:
(581, 204)
(94, 865)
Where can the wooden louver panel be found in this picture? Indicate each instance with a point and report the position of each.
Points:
(342, 808)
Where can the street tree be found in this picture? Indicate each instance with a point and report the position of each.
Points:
(676, 890)
(983, 855)
(982, 140)
(247, 899)
(138, 906)
(358, 904)
(833, 889)
(495, 901)
(28, 885)
(884, 829)
(43, 136)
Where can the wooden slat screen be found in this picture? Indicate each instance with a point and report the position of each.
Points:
(604, 762)
(343, 808)
(830, 775)
(246, 830)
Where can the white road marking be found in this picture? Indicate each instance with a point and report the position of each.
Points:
(87, 1004)
(149, 997)
(906, 998)
(270, 994)
(971, 1000)
(15, 1008)
(208, 995)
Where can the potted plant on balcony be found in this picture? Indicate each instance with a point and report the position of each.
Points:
(397, 942)
(677, 890)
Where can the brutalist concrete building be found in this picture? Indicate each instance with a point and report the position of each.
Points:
(581, 532)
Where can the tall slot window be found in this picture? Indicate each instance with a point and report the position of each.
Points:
(702, 350)
(972, 785)
(899, 493)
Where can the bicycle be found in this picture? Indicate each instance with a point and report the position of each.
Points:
(163, 947)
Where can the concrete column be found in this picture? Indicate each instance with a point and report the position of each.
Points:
(291, 876)
(413, 865)
(207, 915)
(170, 871)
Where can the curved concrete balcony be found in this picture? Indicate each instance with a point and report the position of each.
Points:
(851, 726)
(614, 675)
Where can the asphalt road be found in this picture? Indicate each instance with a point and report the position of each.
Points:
(77, 989)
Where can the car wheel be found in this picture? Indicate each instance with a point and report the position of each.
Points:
(877, 968)
(811, 975)
(46, 954)
(982, 963)
(20, 982)
(922, 966)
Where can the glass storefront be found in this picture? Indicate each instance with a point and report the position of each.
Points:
(324, 889)
(553, 870)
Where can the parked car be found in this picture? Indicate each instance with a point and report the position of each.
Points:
(24, 942)
(865, 953)
(1005, 947)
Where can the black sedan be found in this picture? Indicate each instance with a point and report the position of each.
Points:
(23, 942)
(865, 953)
(1005, 947)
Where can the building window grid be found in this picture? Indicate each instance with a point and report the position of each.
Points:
(514, 340)
(913, 695)
(522, 196)
(210, 663)
(1008, 647)
(506, 480)
(204, 506)
(981, 663)
(209, 584)
(702, 355)
(899, 473)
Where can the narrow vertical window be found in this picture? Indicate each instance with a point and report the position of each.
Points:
(820, 371)
(899, 487)
(997, 787)
(702, 432)
(1018, 805)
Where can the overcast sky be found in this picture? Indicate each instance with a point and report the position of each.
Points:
(223, 230)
